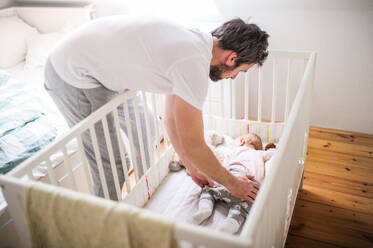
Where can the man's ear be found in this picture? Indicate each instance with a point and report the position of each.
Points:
(231, 59)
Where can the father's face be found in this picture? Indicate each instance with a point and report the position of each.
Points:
(218, 72)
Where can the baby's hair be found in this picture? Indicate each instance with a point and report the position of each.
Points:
(256, 141)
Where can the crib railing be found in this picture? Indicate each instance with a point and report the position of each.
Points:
(266, 226)
(88, 125)
(270, 216)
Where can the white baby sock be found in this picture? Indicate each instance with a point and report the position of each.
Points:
(229, 225)
(204, 211)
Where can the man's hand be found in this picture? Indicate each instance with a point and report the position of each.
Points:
(244, 188)
(200, 178)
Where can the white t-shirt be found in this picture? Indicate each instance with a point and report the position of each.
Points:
(145, 53)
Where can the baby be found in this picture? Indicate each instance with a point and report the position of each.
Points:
(245, 157)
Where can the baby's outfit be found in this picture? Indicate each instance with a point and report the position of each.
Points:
(241, 160)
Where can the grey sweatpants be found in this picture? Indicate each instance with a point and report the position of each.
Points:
(76, 104)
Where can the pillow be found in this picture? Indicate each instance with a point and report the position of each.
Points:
(39, 47)
(14, 33)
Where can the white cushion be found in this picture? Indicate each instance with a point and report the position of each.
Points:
(39, 47)
(54, 19)
(14, 33)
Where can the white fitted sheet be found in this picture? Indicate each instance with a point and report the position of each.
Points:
(177, 198)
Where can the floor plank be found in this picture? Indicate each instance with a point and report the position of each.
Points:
(342, 136)
(294, 241)
(341, 218)
(335, 207)
(334, 198)
(341, 147)
(341, 165)
(325, 230)
(338, 184)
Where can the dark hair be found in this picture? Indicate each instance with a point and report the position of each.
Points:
(247, 40)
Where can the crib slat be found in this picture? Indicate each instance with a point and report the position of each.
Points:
(274, 92)
(234, 97)
(121, 150)
(156, 126)
(85, 164)
(150, 145)
(139, 134)
(111, 157)
(246, 88)
(305, 61)
(99, 161)
(165, 136)
(230, 100)
(129, 133)
(209, 94)
(51, 174)
(69, 168)
(286, 113)
(222, 99)
(260, 76)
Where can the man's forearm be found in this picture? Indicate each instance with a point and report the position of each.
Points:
(184, 125)
(204, 159)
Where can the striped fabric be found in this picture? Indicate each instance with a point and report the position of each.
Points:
(24, 127)
(268, 132)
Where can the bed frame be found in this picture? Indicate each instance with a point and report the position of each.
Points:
(269, 219)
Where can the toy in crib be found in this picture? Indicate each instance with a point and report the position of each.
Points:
(245, 157)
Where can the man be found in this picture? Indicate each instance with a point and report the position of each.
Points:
(110, 55)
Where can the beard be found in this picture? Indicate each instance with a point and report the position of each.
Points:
(216, 71)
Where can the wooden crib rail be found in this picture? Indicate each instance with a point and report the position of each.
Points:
(266, 226)
(88, 125)
(233, 97)
(267, 223)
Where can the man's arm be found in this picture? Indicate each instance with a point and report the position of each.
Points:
(184, 125)
(195, 174)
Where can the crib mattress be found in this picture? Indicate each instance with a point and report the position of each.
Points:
(177, 198)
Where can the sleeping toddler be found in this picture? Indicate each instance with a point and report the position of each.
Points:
(245, 157)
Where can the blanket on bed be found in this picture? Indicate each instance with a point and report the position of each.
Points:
(24, 127)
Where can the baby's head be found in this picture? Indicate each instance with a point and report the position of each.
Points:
(251, 140)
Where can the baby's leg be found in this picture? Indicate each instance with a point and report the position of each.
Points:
(234, 220)
(205, 207)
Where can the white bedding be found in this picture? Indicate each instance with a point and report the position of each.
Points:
(35, 77)
(178, 196)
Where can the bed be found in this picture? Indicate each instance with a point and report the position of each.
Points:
(29, 119)
(253, 103)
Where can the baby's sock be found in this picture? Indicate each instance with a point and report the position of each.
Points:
(229, 225)
(204, 211)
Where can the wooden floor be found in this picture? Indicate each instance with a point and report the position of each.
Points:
(335, 207)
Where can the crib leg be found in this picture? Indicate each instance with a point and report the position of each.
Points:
(301, 182)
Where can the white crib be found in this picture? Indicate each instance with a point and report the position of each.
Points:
(232, 114)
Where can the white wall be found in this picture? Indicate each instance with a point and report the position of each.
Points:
(341, 31)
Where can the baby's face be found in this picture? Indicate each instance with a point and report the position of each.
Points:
(250, 141)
